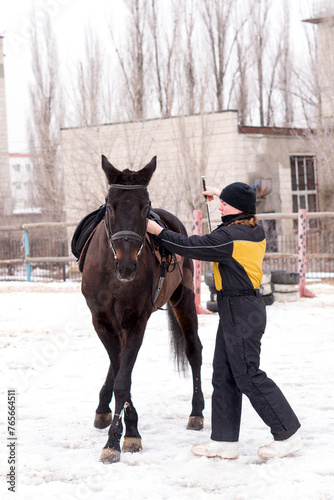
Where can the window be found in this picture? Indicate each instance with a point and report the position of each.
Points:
(304, 186)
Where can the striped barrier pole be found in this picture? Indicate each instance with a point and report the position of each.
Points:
(302, 219)
(197, 229)
(27, 253)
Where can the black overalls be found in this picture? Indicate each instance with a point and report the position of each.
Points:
(237, 252)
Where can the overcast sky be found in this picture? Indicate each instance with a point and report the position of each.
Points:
(69, 18)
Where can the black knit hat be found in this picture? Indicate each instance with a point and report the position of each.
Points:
(241, 196)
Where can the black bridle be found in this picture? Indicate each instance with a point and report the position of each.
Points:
(124, 234)
(135, 236)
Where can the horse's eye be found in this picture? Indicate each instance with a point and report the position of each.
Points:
(110, 210)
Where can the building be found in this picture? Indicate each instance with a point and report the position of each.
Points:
(16, 188)
(278, 162)
(288, 168)
(22, 186)
(5, 191)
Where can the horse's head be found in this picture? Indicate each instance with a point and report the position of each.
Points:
(127, 208)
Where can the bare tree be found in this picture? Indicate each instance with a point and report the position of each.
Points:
(45, 121)
(132, 60)
(308, 76)
(242, 86)
(89, 95)
(164, 57)
(216, 15)
(189, 59)
(260, 30)
(193, 143)
(286, 69)
(267, 54)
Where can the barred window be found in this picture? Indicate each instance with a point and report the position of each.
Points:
(304, 185)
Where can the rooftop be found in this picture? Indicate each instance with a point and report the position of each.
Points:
(322, 9)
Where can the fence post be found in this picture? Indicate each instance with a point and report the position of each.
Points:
(302, 219)
(197, 229)
(27, 253)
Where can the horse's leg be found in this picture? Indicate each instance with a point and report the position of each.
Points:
(186, 316)
(132, 438)
(110, 340)
(122, 386)
(103, 413)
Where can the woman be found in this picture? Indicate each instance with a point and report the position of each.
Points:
(236, 249)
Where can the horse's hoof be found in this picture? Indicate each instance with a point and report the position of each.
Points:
(102, 420)
(110, 456)
(195, 423)
(131, 445)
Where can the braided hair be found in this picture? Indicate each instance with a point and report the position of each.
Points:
(251, 222)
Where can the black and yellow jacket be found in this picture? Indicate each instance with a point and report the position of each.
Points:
(236, 251)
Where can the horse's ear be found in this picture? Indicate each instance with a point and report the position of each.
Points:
(149, 170)
(110, 171)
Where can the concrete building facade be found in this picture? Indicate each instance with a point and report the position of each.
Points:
(277, 162)
(22, 186)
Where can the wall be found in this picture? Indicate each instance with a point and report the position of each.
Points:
(186, 148)
(22, 186)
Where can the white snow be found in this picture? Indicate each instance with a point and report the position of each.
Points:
(54, 360)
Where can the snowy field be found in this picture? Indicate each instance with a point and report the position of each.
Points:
(54, 360)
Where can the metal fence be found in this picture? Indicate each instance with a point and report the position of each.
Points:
(41, 252)
(38, 252)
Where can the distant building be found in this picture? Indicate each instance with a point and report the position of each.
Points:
(5, 189)
(17, 193)
(22, 186)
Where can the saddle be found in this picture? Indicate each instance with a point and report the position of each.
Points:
(85, 230)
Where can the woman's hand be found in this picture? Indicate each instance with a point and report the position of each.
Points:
(210, 193)
(153, 227)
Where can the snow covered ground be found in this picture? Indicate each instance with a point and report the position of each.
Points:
(52, 357)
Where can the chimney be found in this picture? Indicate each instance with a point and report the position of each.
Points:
(323, 17)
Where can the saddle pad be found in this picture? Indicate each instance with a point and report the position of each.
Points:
(84, 229)
(81, 236)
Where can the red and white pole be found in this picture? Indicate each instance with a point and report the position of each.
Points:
(302, 218)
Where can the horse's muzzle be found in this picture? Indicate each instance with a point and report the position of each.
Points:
(126, 269)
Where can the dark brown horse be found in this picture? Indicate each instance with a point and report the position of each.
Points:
(119, 279)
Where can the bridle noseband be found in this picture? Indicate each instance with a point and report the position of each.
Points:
(135, 236)
(124, 234)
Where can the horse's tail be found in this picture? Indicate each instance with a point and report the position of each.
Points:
(178, 342)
